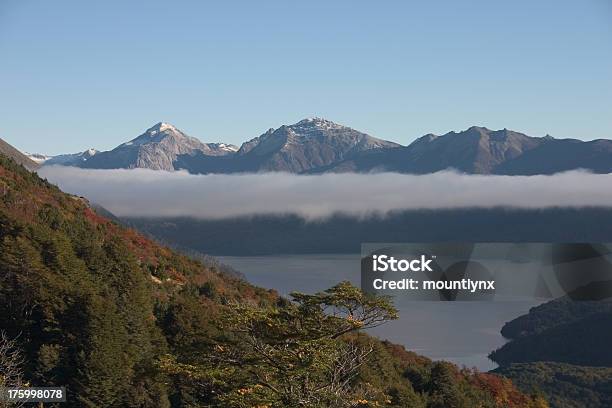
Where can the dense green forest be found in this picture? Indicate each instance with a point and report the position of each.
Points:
(122, 321)
(561, 348)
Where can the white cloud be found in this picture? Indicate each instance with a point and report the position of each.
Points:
(141, 192)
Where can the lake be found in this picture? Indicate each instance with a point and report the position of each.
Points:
(461, 332)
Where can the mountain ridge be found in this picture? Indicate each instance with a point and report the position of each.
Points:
(317, 145)
(479, 150)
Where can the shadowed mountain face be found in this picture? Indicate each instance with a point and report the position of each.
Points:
(20, 158)
(561, 155)
(479, 150)
(476, 150)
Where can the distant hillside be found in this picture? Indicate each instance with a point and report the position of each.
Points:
(584, 342)
(552, 314)
(9, 151)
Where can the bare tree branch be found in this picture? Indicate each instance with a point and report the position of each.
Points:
(11, 363)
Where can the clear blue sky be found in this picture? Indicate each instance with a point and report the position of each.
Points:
(79, 74)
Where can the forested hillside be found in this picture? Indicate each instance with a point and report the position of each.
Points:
(561, 348)
(584, 342)
(124, 322)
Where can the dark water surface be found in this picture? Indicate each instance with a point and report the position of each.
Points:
(461, 332)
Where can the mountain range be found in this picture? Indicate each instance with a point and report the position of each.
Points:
(317, 145)
(479, 150)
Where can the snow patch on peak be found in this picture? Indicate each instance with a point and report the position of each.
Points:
(227, 147)
(318, 123)
(165, 126)
(154, 134)
(160, 127)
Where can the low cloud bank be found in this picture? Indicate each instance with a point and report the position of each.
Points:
(147, 193)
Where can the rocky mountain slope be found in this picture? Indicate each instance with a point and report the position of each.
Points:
(158, 148)
(308, 144)
(9, 151)
(302, 147)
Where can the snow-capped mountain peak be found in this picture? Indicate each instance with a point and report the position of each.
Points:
(164, 126)
(160, 147)
(156, 133)
(318, 123)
